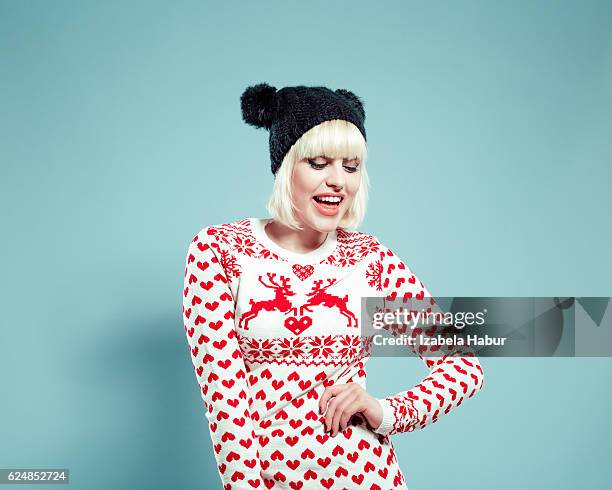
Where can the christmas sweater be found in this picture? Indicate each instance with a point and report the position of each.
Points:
(269, 329)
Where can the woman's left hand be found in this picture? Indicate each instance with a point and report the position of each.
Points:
(346, 400)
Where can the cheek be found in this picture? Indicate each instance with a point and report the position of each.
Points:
(300, 197)
(300, 192)
(304, 185)
(353, 184)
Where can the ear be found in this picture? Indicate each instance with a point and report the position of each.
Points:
(353, 100)
(258, 104)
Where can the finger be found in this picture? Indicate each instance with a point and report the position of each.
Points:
(354, 407)
(333, 415)
(341, 409)
(331, 407)
(327, 394)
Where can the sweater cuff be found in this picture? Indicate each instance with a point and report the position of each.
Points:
(388, 418)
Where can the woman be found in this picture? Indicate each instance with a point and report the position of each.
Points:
(272, 314)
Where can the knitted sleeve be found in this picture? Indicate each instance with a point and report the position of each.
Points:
(454, 375)
(208, 316)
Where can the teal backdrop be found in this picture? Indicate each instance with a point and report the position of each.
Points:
(489, 128)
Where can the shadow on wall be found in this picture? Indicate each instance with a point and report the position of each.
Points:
(144, 422)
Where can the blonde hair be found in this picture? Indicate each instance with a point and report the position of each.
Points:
(334, 139)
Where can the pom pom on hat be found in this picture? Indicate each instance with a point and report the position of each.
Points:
(258, 105)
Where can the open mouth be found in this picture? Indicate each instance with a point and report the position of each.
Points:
(329, 201)
(328, 205)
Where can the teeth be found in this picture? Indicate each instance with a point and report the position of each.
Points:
(335, 199)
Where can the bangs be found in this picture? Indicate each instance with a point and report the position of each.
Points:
(333, 139)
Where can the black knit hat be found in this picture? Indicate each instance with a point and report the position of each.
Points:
(291, 111)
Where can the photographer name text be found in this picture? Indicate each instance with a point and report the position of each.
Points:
(410, 340)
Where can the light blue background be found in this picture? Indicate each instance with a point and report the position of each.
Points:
(489, 129)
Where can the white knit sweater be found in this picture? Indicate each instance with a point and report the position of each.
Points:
(269, 330)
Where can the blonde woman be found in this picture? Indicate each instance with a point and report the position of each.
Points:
(272, 313)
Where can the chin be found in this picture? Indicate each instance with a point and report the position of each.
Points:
(321, 222)
(327, 228)
(324, 224)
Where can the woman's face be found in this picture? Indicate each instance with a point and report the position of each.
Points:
(324, 189)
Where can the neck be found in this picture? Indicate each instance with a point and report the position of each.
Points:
(299, 241)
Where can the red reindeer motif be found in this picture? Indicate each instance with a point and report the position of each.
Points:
(278, 303)
(320, 296)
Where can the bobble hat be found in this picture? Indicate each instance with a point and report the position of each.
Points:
(291, 111)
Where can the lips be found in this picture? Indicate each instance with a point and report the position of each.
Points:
(328, 204)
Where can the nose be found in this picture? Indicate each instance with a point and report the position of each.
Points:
(336, 176)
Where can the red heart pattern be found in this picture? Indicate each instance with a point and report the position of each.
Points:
(303, 272)
(297, 325)
(261, 385)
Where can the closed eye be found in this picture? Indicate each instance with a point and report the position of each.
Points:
(350, 168)
(315, 165)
